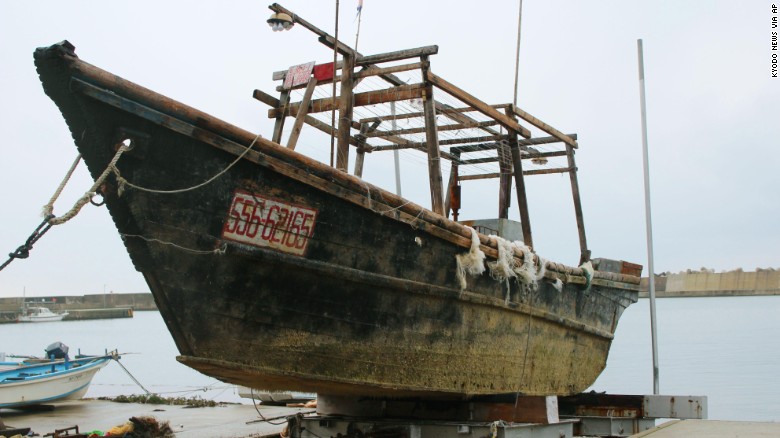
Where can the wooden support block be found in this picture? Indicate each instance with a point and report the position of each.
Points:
(515, 409)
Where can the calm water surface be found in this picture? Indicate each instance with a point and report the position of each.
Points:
(725, 348)
(152, 358)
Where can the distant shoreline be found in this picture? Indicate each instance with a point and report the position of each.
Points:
(710, 284)
(81, 305)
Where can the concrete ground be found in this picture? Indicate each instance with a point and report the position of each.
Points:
(712, 429)
(88, 415)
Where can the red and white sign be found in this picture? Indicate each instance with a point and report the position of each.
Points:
(268, 223)
(298, 75)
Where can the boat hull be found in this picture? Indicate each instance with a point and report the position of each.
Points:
(42, 318)
(61, 385)
(351, 291)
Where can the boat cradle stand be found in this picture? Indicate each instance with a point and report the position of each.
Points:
(509, 416)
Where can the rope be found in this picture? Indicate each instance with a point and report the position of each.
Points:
(218, 251)
(81, 202)
(133, 377)
(24, 250)
(123, 182)
(48, 208)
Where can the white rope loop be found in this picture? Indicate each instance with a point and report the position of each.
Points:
(81, 202)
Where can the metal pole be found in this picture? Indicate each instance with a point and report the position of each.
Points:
(333, 111)
(395, 154)
(648, 221)
(517, 59)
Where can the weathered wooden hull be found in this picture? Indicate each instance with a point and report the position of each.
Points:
(356, 294)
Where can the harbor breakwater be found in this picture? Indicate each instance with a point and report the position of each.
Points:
(95, 306)
(711, 284)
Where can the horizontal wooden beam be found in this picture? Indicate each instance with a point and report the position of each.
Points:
(377, 71)
(543, 140)
(479, 160)
(479, 105)
(492, 145)
(440, 110)
(548, 171)
(478, 176)
(525, 173)
(487, 138)
(544, 126)
(531, 155)
(397, 55)
(452, 127)
(402, 92)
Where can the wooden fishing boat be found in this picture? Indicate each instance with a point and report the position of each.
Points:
(277, 272)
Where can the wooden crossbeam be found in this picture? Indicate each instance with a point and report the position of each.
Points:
(489, 146)
(440, 110)
(544, 126)
(300, 118)
(309, 120)
(479, 105)
(402, 92)
(525, 173)
(453, 127)
(377, 71)
(398, 55)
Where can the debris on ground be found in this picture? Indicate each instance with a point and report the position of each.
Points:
(154, 399)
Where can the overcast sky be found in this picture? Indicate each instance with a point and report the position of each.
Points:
(713, 112)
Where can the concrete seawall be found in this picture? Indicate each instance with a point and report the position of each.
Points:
(79, 307)
(81, 314)
(710, 284)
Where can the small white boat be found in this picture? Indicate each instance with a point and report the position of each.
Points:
(40, 314)
(50, 381)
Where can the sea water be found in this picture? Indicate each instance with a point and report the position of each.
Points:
(725, 348)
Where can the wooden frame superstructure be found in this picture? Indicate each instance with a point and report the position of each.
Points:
(508, 146)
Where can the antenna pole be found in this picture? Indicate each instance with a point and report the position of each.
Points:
(648, 221)
(517, 58)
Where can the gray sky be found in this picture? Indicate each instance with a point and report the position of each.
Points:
(713, 112)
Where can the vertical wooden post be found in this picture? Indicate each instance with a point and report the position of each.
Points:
(346, 104)
(284, 99)
(505, 179)
(575, 191)
(451, 186)
(361, 142)
(432, 140)
(302, 111)
(522, 201)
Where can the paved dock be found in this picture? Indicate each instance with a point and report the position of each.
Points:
(221, 421)
(712, 429)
